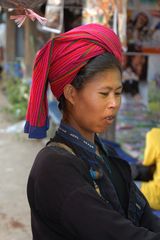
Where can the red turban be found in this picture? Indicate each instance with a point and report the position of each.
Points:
(58, 62)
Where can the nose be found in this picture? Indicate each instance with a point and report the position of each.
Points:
(113, 102)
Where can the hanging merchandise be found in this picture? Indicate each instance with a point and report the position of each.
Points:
(72, 14)
(54, 15)
(23, 9)
(122, 20)
(143, 26)
(99, 11)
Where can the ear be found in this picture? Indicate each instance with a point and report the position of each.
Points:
(69, 93)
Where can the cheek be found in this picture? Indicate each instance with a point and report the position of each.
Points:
(118, 105)
(89, 106)
(96, 105)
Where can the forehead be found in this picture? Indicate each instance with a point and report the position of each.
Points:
(108, 78)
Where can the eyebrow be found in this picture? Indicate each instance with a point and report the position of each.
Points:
(110, 88)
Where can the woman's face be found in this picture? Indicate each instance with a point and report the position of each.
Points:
(138, 63)
(96, 104)
(142, 21)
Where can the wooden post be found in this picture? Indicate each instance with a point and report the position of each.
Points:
(30, 46)
(10, 40)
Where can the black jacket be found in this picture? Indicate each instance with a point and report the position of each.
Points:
(64, 203)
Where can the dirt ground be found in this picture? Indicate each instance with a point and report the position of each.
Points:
(16, 157)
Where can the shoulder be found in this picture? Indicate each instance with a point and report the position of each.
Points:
(154, 132)
(59, 170)
(56, 159)
(153, 135)
(54, 176)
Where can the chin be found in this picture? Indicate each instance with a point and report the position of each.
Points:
(102, 129)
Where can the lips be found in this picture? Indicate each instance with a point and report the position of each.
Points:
(110, 118)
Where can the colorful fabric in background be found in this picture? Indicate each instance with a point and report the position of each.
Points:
(58, 62)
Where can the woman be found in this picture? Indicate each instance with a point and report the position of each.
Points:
(148, 173)
(138, 31)
(151, 189)
(77, 188)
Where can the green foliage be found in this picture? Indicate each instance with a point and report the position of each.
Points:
(17, 91)
(154, 97)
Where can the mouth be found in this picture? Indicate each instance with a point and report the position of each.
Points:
(110, 118)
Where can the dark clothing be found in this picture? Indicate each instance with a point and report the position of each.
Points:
(118, 181)
(142, 173)
(65, 205)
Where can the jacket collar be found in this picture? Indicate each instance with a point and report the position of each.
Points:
(73, 136)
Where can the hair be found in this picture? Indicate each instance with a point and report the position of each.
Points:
(95, 65)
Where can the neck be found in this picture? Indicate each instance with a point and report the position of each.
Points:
(84, 133)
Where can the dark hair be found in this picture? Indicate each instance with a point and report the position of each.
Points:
(97, 64)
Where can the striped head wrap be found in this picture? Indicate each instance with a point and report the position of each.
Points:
(58, 62)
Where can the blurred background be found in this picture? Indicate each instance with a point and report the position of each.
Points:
(138, 25)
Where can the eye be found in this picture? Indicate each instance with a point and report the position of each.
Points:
(104, 93)
(118, 93)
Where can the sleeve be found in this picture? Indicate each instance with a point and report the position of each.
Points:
(148, 219)
(87, 216)
(141, 172)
